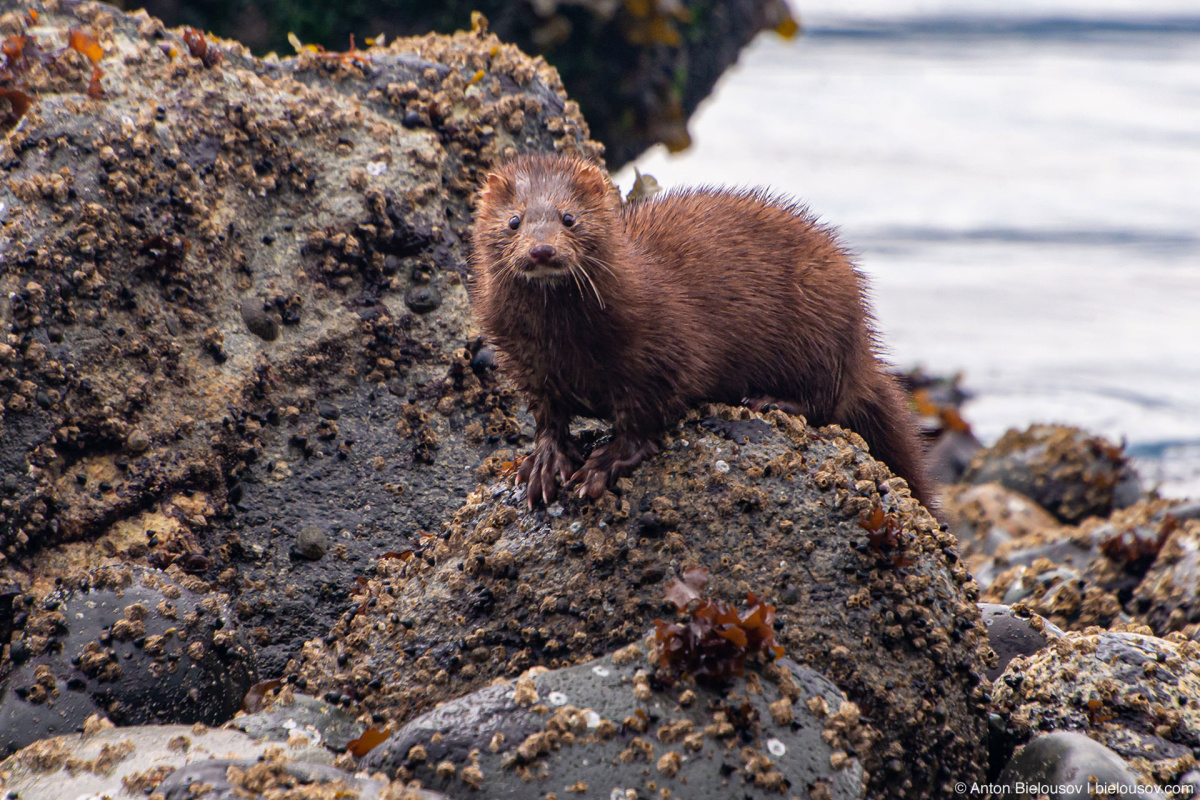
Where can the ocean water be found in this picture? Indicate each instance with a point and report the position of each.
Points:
(1021, 181)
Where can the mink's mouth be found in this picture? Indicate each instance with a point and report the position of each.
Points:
(553, 271)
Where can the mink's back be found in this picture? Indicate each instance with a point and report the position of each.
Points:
(761, 289)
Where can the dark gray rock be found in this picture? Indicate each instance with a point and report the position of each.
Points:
(1073, 761)
(311, 543)
(134, 646)
(951, 454)
(1067, 471)
(770, 507)
(1011, 634)
(322, 723)
(1133, 693)
(262, 323)
(591, 725)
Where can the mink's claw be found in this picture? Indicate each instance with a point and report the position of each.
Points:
(548, 460)
(609, 462)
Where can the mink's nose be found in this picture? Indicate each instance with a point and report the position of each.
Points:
(542, 253)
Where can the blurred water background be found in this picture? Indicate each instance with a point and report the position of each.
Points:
(1021, 179)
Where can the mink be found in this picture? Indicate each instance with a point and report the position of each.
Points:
(637, 312)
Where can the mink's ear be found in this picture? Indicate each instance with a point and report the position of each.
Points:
(592, 181)
(497, 187)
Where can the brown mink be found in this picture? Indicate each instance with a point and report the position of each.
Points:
(635, 313)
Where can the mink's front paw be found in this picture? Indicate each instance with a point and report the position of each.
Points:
(548, 459)
(609, 462)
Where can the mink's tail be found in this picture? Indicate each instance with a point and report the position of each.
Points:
(882, 418)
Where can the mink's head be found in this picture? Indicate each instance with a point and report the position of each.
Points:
(547, 218)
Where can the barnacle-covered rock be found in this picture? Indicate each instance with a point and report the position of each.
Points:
(269, 776)
(1067, 471)
(1132, 692)
(869, 591)
(133, 645)
(639, 70)
(204, 248)
(137, 761)
(1096, 573)
(603, 724)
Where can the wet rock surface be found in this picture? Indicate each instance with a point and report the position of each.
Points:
(1013, 634)
(1130, 567)
(1132, 692)
(893, 623)
(133, 645)
(237, 778)
(207, 253)
(1073, 761)
(289, 714)
(1066, 471)
(601, 725)
(123, 762)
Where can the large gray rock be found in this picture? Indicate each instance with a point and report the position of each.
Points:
(770, 507)
(1133, 693)
(1076, 766)
(133, 645)
(233, 307)
(601, 725)
(123, 762)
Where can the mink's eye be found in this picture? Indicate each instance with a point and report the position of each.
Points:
(568, 219)
(514, 223)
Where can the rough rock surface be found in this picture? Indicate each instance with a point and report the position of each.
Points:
(286, 714)
(1066, 471)
(125, 762)
(638, 70)
(133, 645)
(1134, 693)
(610, 726)
(269, 776)
(235, 309)
(986, 516)
(888, 614)
(1132, 566)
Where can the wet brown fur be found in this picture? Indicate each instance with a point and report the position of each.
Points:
(659, 305)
